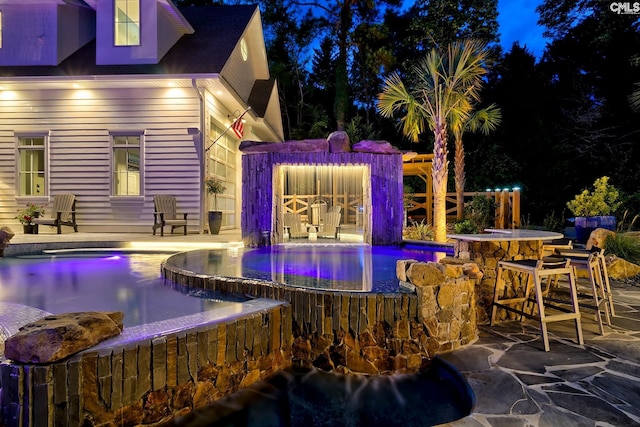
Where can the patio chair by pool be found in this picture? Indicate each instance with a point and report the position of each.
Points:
(330, 225)
(293, 223)
(63, 212)
(165, 214)
(335, 209)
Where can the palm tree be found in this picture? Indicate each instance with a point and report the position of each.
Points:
(485, 121)
(445, 86)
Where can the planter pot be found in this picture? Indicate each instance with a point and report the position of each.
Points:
(29, 229)
(586, 224)
(215, 222)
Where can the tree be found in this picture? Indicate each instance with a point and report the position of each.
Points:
(484, 120)
(444, 86)
(590, 69)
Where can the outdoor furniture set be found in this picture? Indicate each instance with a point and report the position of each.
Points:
(545, 287)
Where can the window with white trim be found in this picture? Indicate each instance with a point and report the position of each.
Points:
(32, 173)
(126, 166)
(127, 23)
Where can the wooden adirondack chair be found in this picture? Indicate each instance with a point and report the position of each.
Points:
(63, 212)
(293, 222)
(329, 225)
(165, 213)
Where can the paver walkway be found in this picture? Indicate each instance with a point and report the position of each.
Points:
(518, 384)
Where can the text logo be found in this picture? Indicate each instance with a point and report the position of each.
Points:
(625, 8)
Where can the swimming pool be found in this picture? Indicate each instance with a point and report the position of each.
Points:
(353, 268)
(102, 281)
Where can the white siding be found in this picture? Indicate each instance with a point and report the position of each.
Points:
(168, 34)
(29, 35)
(79, 151)
(242, 74)
(76, 27)
(145, 53)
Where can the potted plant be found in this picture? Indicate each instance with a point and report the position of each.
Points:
(214, 186)
(26, 215)
(594, 209)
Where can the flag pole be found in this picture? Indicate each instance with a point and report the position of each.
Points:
(227, 129)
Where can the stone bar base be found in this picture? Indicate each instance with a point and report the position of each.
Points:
(487, 254)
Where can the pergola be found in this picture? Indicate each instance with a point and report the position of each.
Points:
(419, 165)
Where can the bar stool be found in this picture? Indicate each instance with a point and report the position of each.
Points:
(551, 247)
(594, 263)
(536, 271)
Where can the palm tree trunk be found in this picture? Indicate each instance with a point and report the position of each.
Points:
(439, 173)
(458, 168)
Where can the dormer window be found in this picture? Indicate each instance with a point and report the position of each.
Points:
(127, 23)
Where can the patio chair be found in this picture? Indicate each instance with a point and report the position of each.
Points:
(63, 212)
(293, 223)
(330, 225)
(335, 209)
(165, 213)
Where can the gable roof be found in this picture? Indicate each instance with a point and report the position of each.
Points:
(260, 95)
(197, 53)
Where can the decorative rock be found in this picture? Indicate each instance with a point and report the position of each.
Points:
(619, 268)
(424, 274)
(402, 265)
(302, 146)
(379, 147)
(6, 234)
(339, 142)
(58, 336)
(598, 237)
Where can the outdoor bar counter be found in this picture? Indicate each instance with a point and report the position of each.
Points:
(495, 245)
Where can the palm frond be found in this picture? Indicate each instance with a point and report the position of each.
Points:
(485, 120)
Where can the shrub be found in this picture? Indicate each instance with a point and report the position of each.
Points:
(623, 225)
(418, 231)
(554, 223)
(623, 246)
(481, 212)
(602, 201)
(465, 227)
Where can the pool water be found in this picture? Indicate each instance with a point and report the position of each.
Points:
(353, 268)
(104, 281)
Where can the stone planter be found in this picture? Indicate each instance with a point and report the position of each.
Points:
(215, 221)
(586, 224)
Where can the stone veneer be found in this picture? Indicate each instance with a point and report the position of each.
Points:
(486, 255)
(150, 380)
(365, 332)
(147, 381)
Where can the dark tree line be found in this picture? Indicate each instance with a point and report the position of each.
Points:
(566, 117)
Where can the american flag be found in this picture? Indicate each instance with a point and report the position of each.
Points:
(238, 127)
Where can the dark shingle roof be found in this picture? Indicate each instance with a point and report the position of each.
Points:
(217, 31)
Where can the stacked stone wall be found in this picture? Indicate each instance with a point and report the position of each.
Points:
(486, 256)
(366, 332)
(149, 381)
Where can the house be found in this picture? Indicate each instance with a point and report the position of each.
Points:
(116, 101)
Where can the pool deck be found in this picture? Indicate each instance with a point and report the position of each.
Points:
(515, 381)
